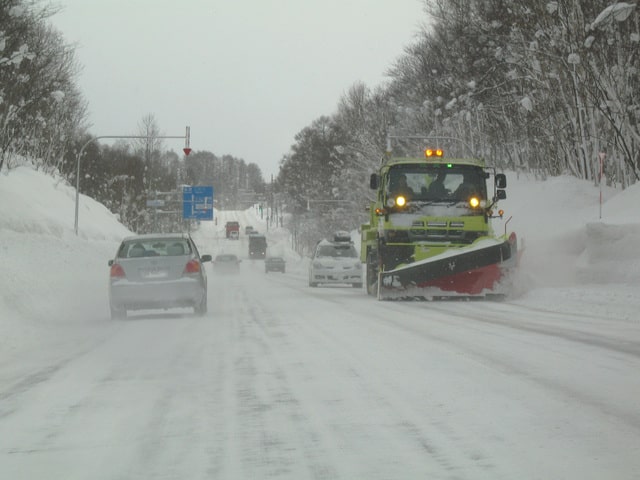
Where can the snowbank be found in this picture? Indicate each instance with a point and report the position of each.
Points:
(563, 238)
(34, 203)
(50, 276)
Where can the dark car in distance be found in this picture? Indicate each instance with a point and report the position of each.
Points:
(157, 271)
(274, 264)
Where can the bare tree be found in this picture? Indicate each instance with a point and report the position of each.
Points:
(149, 148)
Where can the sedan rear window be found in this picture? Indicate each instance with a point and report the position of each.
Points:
(337, 251)
(154, 248)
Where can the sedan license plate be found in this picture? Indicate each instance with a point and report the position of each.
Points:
(154, 272)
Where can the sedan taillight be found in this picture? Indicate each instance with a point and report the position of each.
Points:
(117, 271)
(193, 266)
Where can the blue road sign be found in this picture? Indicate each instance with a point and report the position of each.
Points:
(197, 202)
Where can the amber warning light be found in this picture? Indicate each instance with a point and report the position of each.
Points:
(433, 152)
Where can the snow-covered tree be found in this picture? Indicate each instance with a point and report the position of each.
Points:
(41, 109)
(529, 84)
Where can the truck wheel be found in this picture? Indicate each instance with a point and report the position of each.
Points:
(372, 274)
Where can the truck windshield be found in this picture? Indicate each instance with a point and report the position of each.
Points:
(436, 183)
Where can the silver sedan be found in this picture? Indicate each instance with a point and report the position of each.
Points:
(157, 271)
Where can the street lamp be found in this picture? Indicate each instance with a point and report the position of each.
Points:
(185, 136)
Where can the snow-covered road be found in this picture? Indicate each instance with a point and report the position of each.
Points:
(284, 381)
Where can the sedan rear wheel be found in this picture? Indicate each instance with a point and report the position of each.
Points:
(201, 308)
(117, 313)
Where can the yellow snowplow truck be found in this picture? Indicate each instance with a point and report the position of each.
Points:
(430, 232)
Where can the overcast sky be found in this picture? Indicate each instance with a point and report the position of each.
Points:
(245, 75)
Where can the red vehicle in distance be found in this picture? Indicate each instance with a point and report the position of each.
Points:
(232, 227)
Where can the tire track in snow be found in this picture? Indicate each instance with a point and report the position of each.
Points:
(424, 428)
(512, 317)
(278, 438)
(438, 448)
(479, 319)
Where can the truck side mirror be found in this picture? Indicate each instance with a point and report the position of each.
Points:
(501, 180)
(501, 194)
(373, 181)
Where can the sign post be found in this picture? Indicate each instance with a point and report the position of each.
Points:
(187, 141)
(601, 156)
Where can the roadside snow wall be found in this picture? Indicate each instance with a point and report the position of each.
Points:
(612, 254)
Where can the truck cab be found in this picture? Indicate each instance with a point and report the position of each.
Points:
(257, 246)
(431, 214)
(232, 230)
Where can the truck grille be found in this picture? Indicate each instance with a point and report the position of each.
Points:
(443, 235)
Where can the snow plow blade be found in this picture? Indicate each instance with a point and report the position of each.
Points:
(480, 270)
